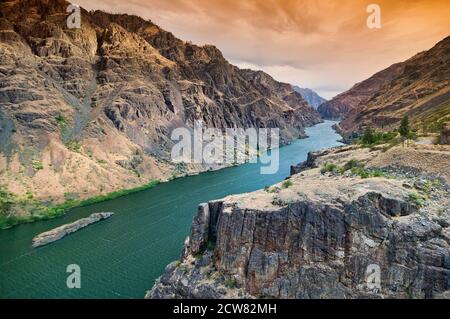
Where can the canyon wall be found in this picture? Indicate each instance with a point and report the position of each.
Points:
(418, 88)
(91, 110)
(319, 235)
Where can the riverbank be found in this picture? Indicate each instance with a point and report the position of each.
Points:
(315, 234)
(145, 234)
(15, 210)
(38, 212)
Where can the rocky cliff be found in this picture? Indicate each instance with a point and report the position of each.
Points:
(418, 87)
(91, 110)
(324, 232)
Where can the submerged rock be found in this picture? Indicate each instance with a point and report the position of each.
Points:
(62, 231)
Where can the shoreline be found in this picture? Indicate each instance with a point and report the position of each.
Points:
(48, 213)
(61, 209)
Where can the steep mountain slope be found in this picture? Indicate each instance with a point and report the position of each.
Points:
(313, 99)
(418, 87)
(359, 94)
(88, 111)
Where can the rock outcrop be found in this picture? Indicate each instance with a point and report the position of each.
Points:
(86, 103)
(319, 235)
(62, 231)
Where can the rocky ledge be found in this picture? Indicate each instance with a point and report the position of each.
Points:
(319, 235)
(62, 231)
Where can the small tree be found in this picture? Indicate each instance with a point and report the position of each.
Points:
(368, 136)
(404, 127)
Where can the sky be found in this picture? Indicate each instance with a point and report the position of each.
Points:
(324, 45)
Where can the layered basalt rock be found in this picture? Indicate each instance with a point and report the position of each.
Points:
(317, 237)
(114, 88)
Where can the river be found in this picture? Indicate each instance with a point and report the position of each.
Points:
(121, 257)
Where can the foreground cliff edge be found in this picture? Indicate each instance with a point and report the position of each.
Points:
(315, 235)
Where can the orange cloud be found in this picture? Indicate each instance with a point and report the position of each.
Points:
(321, 44)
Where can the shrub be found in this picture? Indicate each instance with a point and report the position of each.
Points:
(404, 127)
(352, 164)
(416, 199)
(371, 138)
(436, 127)
(378, 173)
(230, 283)
(286, 184)
(368, 137)
(361, 172)
(328, 167)
(74, 146)
(7, 200)
(184, 269)
(427, 187)
(198, 256)
(37, 165)
(61, 121)
(29, 194)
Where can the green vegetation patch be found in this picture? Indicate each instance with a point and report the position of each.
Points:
(416, 199)
(230, 283)
(11, 204)
(432, 120)
(355, 167)
(62, 121)
(332, 168)
(37, 165)
(74, 146)
(372, 138)
(287, 184)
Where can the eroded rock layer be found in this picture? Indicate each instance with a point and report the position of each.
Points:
(320, 235)
(91, 110)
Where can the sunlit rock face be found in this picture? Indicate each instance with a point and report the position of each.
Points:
(85, 101)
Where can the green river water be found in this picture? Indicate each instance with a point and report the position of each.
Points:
(121, 257)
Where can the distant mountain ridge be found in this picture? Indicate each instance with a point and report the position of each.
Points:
(313, 99)
(418, 88)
